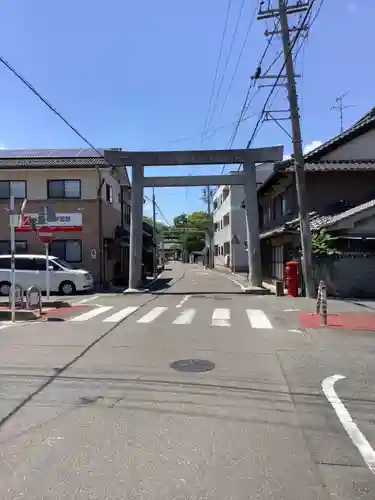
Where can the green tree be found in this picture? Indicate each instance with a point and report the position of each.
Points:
(323, 244)
(199, 220)
(159, 225)
(181, 220)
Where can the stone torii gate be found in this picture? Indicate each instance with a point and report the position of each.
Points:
(248, 157)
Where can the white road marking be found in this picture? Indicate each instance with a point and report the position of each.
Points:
(185, 318)
(86, 300)
(291, 310)
(92, 313)
(153, 314)
(7, 325)
(258, 319)
(295, 331)
(358, 439)
(119, 315)
(221, 317)
(187, 297)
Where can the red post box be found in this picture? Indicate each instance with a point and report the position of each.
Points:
(291, 278)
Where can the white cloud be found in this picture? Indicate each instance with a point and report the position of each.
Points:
(311, 146)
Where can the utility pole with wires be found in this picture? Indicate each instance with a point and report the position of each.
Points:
(207, 194)
(154, 250)
(340, 107)
(281, 11)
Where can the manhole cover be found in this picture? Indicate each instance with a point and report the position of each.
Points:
(192, 365)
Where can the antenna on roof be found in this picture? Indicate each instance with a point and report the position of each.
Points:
(340, 107)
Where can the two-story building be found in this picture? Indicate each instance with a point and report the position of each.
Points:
(340, 175)
(90, 197)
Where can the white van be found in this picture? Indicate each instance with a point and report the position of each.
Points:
(31, 270)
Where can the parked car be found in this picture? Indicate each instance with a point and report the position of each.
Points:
(31, 270)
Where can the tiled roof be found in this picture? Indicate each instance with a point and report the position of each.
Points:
(48, 162)
(336, 166)
(364, 123)
(319, 221)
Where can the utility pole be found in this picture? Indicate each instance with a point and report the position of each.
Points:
(340, 107)
(282, 11)
(207, 195)
(154, 256)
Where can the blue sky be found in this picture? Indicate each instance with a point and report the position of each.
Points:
(138, 75)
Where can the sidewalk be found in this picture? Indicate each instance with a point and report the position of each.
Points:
(335, 305)
(241, 278)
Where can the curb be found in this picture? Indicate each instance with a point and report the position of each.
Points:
(20, 314)
(266, 288)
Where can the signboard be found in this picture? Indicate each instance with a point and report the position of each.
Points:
(33, 298)
(18, 296)
(65, 222)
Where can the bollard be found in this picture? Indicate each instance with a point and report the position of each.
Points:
(321, 302)
(324, 304)
(319, 298)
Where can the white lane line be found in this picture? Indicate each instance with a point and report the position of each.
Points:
(291, 310)
(92, 313)
(86, 300)
(221, 317)
(185, 318)
(258, 319)
(153, 314)
(187, 297)
(119, 315)
(358, 439)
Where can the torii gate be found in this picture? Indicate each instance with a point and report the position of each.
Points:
(247, 157)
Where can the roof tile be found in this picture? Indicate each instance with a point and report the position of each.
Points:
(50, 162)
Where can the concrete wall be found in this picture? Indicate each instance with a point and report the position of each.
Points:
(348, 276)
(238, 224)
(223, 235)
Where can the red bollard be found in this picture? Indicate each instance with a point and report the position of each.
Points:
(291, 278)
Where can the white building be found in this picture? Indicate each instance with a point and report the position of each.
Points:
(230, 224)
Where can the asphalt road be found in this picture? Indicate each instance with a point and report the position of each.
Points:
(93, 409)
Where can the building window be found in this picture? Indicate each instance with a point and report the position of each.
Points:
(68, 250)
(12, 188)
(109, 193)
(21, 247)
(58, 189)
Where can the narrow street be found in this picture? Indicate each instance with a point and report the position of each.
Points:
(194, 391)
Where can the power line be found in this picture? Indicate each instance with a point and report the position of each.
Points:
(239, 58)
(248, 101)
(234, 36)
(217, 69)
(57, 113)
(49, 105)
(159, 209)
(255, 131)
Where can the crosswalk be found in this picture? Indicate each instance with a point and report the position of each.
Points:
(220, 317)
